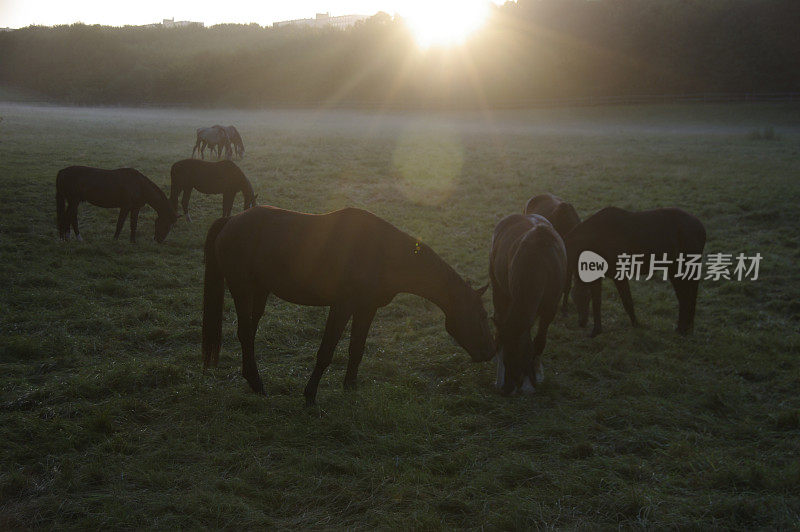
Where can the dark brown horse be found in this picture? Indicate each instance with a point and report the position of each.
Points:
(222, 177)
(349, 260)
(612, 232)
(564, 218)
(125, 188)
(527, 268)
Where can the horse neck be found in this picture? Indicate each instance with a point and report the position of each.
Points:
(160, 203)
(426, 275)
(247, 189)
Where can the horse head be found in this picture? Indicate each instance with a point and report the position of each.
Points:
(164, 223)
(468, 323)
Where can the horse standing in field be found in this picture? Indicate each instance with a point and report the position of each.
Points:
(236, 140)
(222, 177)
(527, 268)
(213, 137)
(349, 260)
(564, 218)
(125, 188)
(656, 234)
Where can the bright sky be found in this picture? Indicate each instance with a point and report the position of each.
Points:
(20, 13)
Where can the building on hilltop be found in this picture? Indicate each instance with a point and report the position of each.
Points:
(323, 20)
(171, 23)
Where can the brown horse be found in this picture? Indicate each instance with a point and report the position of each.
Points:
(125, 188)
(612, 231)
(564, 218)
(527, 268)
(349, 260)
(222, 177)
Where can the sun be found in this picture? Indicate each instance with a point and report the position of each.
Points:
(444, 22)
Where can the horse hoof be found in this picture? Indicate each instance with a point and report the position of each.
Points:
(527, 386)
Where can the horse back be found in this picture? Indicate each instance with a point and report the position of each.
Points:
(612, 231)
(543, 204)
(101, 187)
(526, 251)
(309, 259)
(209, 177)
(561, 214)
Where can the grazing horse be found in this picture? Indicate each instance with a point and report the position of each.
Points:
(213, 137)
(236, 140)
(612, 231)
(564, 218)
(349, 260)
(527, 268)
(222, 177)
(125, 188)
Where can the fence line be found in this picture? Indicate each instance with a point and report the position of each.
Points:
(586, 101)
(703, 97)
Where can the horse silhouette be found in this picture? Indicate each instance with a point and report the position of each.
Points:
(564, 218)
(125, 188)
(657, 233)
(222, 177)
(527, 268)
(349, 260)
(213, 137)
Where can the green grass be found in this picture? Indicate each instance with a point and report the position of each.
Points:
(108, 420)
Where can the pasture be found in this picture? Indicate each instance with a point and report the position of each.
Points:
(108, 420)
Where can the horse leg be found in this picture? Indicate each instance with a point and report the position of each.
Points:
(567, 288)
(596, 290)
(624, 290)
(227, 203)
(123, 213)
(65, 221)
(546, 317)
(338, 317)
(362, 320)
(72, 218)
(244, 301)
(686, 291)
(259, 304)
(134, 223)
(539, 341)
(187, 192)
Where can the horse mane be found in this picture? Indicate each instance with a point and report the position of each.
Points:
(160, 193)
(247, 186)
(414, 252)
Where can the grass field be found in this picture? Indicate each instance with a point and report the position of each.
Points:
(108, 420)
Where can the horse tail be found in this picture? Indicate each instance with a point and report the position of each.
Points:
(213, 297)
(61, 217)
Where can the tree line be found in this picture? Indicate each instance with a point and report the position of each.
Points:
(529, 50)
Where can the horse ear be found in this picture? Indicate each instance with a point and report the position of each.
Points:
(482, 289)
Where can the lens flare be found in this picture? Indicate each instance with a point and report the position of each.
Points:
(428, 165)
